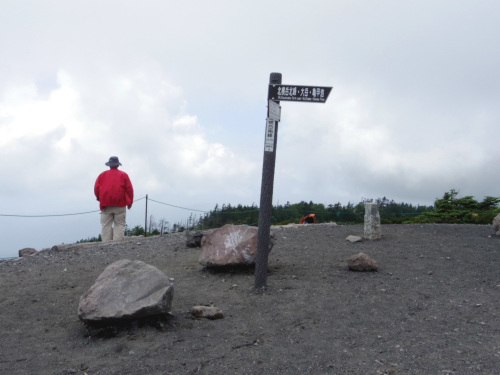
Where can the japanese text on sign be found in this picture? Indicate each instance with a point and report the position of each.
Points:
(311, 94)
(270, 129)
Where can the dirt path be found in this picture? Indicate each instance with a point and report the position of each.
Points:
(433, 308)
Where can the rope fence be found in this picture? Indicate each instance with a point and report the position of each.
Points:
(137, 200)
(94, 211)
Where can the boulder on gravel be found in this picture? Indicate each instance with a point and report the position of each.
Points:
(362, 262)
(26, 252)
(193, 239)
(230, 245)
(127, 290)
(496, 225)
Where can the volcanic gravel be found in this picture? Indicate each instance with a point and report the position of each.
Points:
(432, 308)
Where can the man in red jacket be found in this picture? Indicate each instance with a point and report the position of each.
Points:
(114, 192)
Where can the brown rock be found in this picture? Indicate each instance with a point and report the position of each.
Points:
(209, 312)
(27, 251)
(362, 262)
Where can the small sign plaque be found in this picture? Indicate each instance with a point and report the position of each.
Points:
(274, 111)
(295, 93)
(270, 129)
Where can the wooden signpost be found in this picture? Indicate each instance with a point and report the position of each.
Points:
(276, 93)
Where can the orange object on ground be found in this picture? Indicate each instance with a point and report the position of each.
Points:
(309, 219)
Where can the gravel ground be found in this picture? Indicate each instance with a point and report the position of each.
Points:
(432, 308)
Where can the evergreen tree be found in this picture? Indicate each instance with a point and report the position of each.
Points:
(453, 210)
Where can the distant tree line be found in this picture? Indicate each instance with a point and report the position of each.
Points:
(390, 212)
(449, 209)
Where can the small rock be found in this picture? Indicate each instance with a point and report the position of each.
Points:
(362, 262)
(209, 312)
(352, 238)
(27, 251)
(193, 239)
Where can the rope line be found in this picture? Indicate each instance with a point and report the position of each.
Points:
(206, 212)
(149, 199)
(78, 213)
(171, 205)
(58, 215)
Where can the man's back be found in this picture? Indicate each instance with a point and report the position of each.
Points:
(113, 188)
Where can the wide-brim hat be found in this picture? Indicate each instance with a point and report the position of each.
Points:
(113, 162)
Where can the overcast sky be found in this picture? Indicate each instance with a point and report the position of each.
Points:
(178, 90)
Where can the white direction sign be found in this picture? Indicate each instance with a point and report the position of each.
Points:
(270, 129)
(274, 111)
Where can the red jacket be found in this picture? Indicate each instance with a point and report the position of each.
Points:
(113, 188)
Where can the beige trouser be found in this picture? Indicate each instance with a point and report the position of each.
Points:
(110, 215)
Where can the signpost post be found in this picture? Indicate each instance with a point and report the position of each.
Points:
(276, 93)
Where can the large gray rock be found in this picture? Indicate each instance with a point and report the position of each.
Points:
(127, 290)
(372, 229)
(496, 225)
(230, 245)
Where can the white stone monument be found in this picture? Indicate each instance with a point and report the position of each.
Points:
(372, 222)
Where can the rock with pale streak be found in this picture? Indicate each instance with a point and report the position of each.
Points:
(230, 245)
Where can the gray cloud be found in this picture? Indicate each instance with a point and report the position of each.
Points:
(178, 91)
